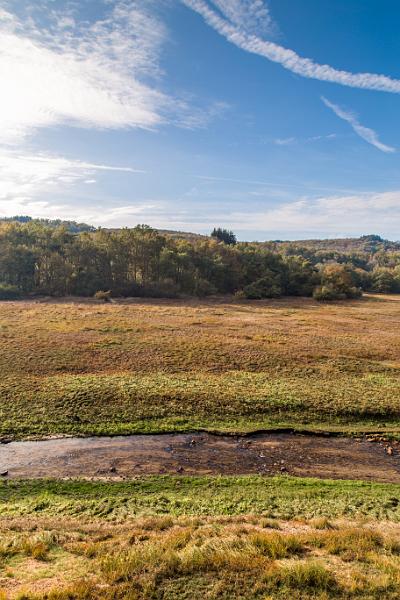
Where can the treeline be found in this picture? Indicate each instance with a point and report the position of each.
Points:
(36, 258)
(71, 226)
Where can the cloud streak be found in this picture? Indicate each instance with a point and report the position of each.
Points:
(367, 134)
(251, 15)
(289, 59)
(24, 177)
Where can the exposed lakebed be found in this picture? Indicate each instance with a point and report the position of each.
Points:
(201, 454)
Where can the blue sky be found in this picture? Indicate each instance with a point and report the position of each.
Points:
(190, 114)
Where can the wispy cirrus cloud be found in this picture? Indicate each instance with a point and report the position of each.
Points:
(367, 134)
(80, 74)
(285, 141)
(56, 68)
(252, 15)
(306, 67)
(26, 177)
(59, 69)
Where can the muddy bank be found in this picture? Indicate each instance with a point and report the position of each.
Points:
(200, 454)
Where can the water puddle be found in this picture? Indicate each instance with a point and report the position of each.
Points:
(200, 454)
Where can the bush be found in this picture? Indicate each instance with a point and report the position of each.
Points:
(203, 288)
(240, 295)
(9, 292)
(266, 287)
(326, 293)
(100, 295)
(300, 276)
(337, 283)
(384, 281)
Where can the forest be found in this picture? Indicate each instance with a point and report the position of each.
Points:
(66, 258)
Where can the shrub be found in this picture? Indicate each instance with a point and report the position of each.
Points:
(337, 283)
(203, 288)
(300, 276)
(325, 293)
(328, 292)
(265, 287)
(9, 292)
(100, 295)
(384, 281)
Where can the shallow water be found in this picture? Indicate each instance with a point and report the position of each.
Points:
(200, 454)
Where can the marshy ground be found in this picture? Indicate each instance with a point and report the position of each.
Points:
(124, 457)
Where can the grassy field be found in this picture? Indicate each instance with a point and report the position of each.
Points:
(87, 368)
(244, 538)
(80, 367)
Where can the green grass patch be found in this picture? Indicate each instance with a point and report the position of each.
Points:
(275, 497)
(132, 403)
(150, 366)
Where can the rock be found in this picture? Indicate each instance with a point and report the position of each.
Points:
(4, 474)
(113, 470)
(193, 442)
(389, 450)
(179, 470)
(283, 469)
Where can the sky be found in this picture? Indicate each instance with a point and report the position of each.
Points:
(278, 119)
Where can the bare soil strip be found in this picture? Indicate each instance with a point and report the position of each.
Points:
(202, 454)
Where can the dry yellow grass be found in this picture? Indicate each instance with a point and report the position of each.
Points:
(191, 557)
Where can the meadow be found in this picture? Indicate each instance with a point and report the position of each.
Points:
(242, 538)
(83, 367)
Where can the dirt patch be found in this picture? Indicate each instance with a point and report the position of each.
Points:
(201, 454)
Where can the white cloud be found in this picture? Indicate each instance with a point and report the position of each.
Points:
(251, 15)
(317, 138)
(367, 134)
(104, 74)
(25, 177)
(94, 214)
(87, 75)
(324, 216)
(284, 141)
(328, 215)
(289, 59)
